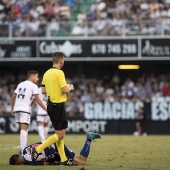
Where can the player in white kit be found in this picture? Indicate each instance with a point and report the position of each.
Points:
(21, 101)
(42, 117)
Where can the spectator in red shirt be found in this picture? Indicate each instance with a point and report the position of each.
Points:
(166, 89)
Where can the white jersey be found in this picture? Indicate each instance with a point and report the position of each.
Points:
(43, 97)
(25, 92)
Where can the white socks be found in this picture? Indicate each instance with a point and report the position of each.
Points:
(23, 138)
(46, 132)
(41, 132)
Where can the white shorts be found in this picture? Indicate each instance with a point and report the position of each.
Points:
(21, 117)
(43, 118)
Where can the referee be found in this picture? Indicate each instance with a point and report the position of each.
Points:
(55, 86)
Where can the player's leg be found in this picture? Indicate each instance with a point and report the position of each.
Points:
(84, 153)
(46, 122)
(79, 160)
(24, 120)
(90, 137)
(40, 129)
(46, 130)
(76, 159)
(138, 127)
(23, 135)
(49, 141)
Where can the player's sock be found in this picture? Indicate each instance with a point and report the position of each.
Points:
(51, 140)
(46, 132)
(41, 132)
(26, 139)
(60, 147)
(86, 149)
(89, 140)
(23, 139)
(70, 154)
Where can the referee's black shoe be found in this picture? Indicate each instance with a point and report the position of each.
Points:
(34, 155)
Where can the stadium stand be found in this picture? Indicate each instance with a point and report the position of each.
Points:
(28, 18)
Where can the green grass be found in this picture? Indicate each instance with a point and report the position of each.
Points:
(112, 152)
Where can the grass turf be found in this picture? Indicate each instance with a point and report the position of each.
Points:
(112, 152)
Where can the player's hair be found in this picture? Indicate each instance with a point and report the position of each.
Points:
(13, 160)
(57, 56)
(31, 72)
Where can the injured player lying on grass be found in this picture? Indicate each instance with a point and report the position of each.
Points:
(50, 155)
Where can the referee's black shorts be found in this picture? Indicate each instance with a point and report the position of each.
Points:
(57, 115)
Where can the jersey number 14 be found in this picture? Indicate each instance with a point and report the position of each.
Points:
(21, 93)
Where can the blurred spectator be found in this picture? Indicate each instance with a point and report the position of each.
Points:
(90, 15)
(81, 17)
(34, 27)
(42, 27)
(71, 3)
(166, 89)
(99, 87)
(40, 7)
(24, 9)
(24, 27)
(109, 96)
(53, 27)
(78, 29)
(101, 26)
(71, 106)
(57, 9)
(116, 27)
(65, 12)
(85, 97)
(139, 122)
(33, 12)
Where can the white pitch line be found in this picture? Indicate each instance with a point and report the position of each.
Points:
(9, 147)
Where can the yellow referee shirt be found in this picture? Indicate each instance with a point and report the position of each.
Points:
(53, 81)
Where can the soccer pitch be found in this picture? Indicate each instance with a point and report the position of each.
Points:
(112, 152)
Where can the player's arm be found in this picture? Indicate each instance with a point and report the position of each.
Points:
(40, 163)
(38, 100)
(43, 90)
(37, 163)
(13, 103)
(48, 163)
